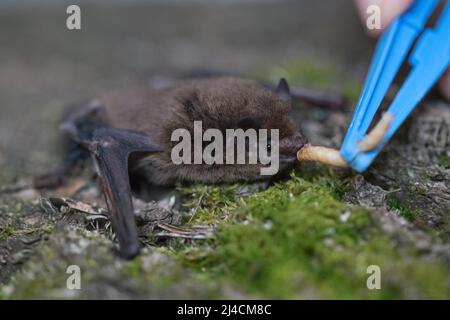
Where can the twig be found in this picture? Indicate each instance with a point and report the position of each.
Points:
(175, 232)
(197, 206)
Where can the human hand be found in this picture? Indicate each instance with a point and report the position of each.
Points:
(389, 11)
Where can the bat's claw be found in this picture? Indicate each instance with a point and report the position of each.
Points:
(129, 251)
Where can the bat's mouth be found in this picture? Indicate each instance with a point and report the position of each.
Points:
(289, 147)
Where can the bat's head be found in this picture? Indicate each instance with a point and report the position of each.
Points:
(226, 104)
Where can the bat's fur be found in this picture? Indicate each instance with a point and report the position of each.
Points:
(116, 125)
(221, 103)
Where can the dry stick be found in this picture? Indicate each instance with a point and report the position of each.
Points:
(333, 157)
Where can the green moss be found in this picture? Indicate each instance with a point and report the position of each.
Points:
(7, 231)
(324, 177)
(161, 269)
(10, 230)
(444, 160)
(209, 204)
(298, 239)
(40, 278)
(3, 294)
(405, 210)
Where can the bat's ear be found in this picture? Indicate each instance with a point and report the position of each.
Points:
(283, 90)
(249, 123)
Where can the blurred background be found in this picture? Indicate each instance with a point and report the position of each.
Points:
(44, 66)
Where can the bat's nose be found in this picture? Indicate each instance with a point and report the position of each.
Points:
(289, 146)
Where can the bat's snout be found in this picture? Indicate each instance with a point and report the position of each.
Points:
(289, 146)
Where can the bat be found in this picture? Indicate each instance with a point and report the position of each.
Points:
(129, 131)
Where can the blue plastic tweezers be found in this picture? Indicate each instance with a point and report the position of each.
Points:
(429, 59)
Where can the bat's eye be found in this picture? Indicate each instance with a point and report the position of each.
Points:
(269, 147)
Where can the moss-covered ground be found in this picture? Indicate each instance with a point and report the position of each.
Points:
(299, 239)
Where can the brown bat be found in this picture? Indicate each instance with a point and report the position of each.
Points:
(130, 131)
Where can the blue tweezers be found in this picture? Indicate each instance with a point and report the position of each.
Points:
(429, 59)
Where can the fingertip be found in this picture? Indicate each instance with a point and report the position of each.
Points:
(392, 9)
(388, 11)
(444, 85)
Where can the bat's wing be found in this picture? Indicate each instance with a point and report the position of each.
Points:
(111, 149)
